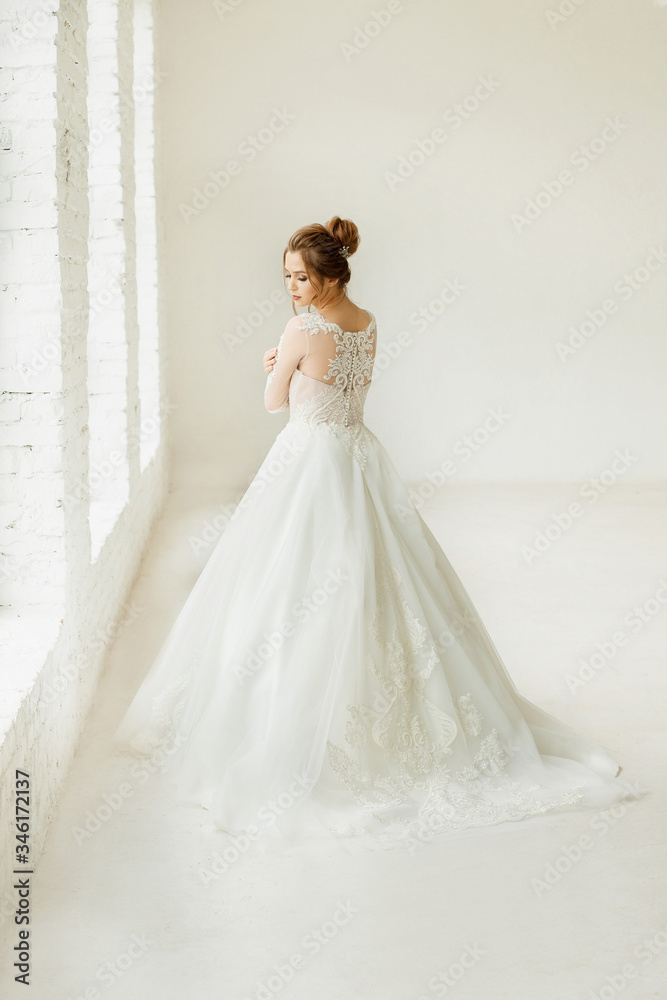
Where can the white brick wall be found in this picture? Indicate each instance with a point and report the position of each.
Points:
(112, 324)
(61, 606)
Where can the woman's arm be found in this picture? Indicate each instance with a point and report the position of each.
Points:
(292, 347)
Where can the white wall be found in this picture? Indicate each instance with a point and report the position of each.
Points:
(558, 79)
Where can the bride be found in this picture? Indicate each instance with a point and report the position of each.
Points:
(328, 672)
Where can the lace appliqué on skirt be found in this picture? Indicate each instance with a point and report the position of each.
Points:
(411, 739)
(470, 718)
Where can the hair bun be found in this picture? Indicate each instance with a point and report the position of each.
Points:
(345, 231)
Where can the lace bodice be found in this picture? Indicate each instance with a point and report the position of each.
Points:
(322, 372)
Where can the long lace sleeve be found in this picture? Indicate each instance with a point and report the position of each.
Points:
(292, 347)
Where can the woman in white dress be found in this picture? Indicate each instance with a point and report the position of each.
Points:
(328, 671)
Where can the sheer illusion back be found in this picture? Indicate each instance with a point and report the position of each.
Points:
(322, 372)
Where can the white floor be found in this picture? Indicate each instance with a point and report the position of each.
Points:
(516, 911)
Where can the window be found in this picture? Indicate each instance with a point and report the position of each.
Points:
(108, 474)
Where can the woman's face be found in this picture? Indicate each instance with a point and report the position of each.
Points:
(297, 283)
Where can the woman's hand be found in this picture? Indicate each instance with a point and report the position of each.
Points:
(269, 359)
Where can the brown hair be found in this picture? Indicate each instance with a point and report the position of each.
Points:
(320, 249)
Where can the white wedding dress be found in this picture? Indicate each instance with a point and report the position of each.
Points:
(328, 671)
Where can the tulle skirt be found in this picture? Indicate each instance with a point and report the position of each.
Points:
(328, 672)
